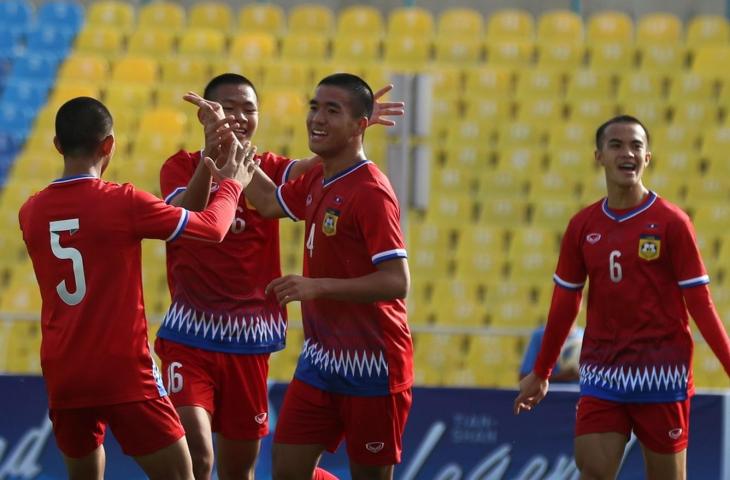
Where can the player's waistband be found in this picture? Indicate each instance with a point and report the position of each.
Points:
(645, 384)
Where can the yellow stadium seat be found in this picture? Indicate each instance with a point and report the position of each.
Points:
(526, 240)
(305, 46)
(659, 28)
(696, 112)
(539, 83)
(459, 21)
(464, 156)
(611, 57)
(708, 372)
(532, 265)
(428, 263)
(502, 183)
(518, 134)
(707, 30)
(711, 60)
(163, 120)
(446, 81)
(662, 58)
(205, 42)
(527, 159)
(514, 314)
(481, 265)
(64, 90)
(484, 238)
(610, 27)
(563, 57)
(651, 112)
(467, 131)
(311, 18)
(288, 75)
(569, 135)
(588, 83)
(105, 41)
(481, 81)
(163, 12)
(415, 21)
(450, 179)
(488, 109)
(560, 26)
(111, 13)
(591, 111)
(683, 163)
(459, 312)
(510, 25)
(360, 20)
(170, 95)
(253, 46)
(261, 17)
(717, 166)
(518, 53)
(406, 53)
(691, 86)
(135, 69)
(495, 360)
(455, 208)
(503, 212)
(210, 14)
(119, 96)
(458, 50)
(361, 49)
(86, 67)
(185, 70)
(541, 111)
(676, 136)
(158, 43)
(640, 85)
(554, 185)
(711, 214)
(428, 237)
(23, 353)
(667, 184)
(554, 214)
(284, 103)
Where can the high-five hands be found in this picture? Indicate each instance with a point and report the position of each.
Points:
(239, 165)
(217, 126)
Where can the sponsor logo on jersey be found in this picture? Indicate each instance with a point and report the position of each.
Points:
(261, 418)
(593, 238)
(214, 187)
(338, 200)
(374, 447)
(675, 433)
(649, 247)
(309, 199)
(329, 224)
(652, 226)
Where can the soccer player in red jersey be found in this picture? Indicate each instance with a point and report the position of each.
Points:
(217, 371)
(84, 238)
(354, 375)
(646, 277)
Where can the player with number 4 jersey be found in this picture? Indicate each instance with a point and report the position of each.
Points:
(646, 277)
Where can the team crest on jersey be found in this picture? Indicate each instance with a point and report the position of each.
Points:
(329, 225)
(649, 247)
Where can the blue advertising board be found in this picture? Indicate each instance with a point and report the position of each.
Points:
(451, 434)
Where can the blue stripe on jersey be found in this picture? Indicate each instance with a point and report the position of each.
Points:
(287, 171)
(180, 225)
(255, 333)
(693, 282)
(570, 286)
(635, 384)
(389, 255)
(73, 177)
(283, 205)
(632, 213)
(359, 372)
(174, 194)
(344, 173)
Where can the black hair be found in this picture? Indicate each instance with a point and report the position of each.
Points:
(227, 79)
(81, 124)
(618, 119)
(361, 95)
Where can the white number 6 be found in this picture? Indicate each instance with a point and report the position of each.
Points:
(68, 253)
(614, 266)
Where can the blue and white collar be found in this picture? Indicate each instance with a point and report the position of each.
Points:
(631, 213)
(72, 178)
(345, 172)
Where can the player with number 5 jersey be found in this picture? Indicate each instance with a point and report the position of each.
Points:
(84, 238)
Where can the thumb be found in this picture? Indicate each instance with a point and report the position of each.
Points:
(214, 170)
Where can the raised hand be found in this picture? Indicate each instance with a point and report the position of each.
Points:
(385, 109)
(218, 127)
(239, 165)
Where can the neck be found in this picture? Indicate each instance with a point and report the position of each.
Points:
(82, 166)
(335, 164)
(620, 197)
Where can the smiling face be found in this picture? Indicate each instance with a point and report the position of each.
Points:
(239, 100)
(331, 126)
(624, 154)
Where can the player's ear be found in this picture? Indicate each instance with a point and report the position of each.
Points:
(106, 147)
(647, 158)
(57, 144)
(362, 124)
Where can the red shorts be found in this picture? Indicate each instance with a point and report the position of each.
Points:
(371, 426)
(660, 427)
(232, 388)
(141, 428)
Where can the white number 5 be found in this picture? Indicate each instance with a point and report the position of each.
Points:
(614, 267)
(68, 253)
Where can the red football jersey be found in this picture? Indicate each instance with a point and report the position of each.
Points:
(637, 345)
(351, 225)
(218, 300)
(84, 237)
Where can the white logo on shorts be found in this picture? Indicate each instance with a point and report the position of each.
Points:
(675, 433)
(374, 447)
(261, 418)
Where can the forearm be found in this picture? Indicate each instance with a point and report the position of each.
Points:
(261, 192)
(375, 287)
(213, 223)
(196, 194)
(563, 310)
(702, 309)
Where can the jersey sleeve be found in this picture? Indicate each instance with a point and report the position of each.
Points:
(277, 168)
(292, 196)
(571, 270)
(153, 218)
(685, 255)
(378, 216)
(175, 175)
